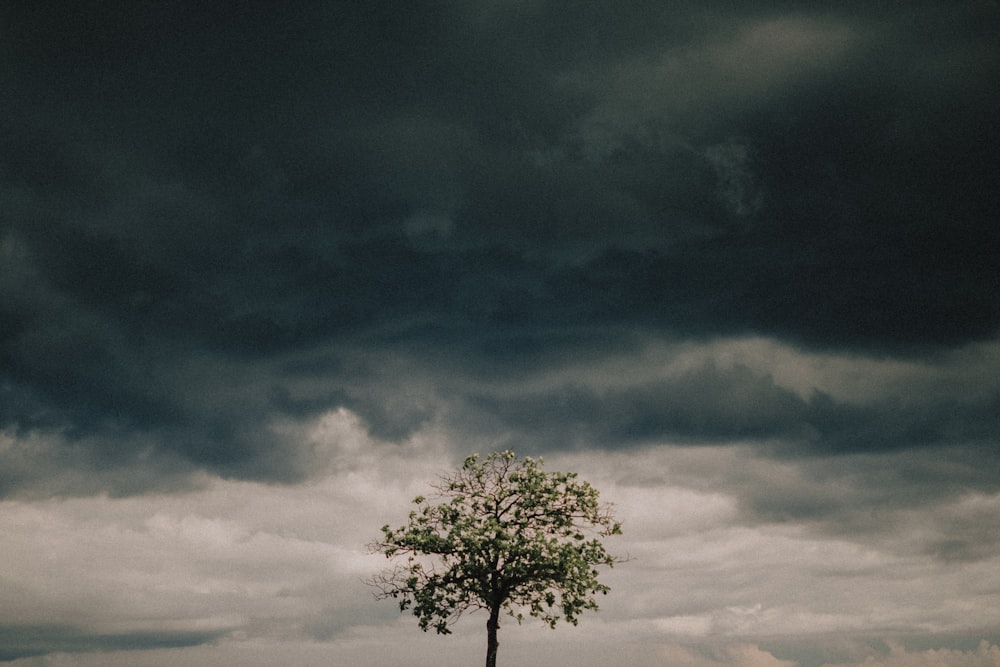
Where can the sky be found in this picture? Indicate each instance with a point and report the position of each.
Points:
(267, 270)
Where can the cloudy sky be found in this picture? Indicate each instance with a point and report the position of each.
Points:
(267, 269)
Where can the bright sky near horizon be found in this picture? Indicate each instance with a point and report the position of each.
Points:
(267, 269)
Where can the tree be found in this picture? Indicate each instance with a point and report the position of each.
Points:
(507, 538)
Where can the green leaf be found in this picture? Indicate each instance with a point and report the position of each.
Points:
(507, 535)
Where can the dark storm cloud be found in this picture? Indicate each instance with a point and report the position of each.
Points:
(36, 640)
(198, 198)
(710, 405)
(865, 493)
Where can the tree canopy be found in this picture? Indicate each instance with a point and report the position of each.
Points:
(501, 535)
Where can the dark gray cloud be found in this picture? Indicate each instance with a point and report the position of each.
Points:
(26, 641)
(710, 405)
(216, 217)
(863, 469)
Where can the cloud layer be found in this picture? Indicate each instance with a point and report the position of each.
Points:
(736, 264)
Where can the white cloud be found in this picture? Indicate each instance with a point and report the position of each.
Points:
(280, 568)
(736, 655)
(985, 655)
(214, 559)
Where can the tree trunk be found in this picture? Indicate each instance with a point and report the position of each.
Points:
(492, 625)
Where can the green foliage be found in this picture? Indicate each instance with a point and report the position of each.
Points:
(507, 536)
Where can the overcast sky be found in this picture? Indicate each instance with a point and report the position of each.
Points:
(267, 269)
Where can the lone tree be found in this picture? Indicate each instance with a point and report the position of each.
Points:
(508, 537)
